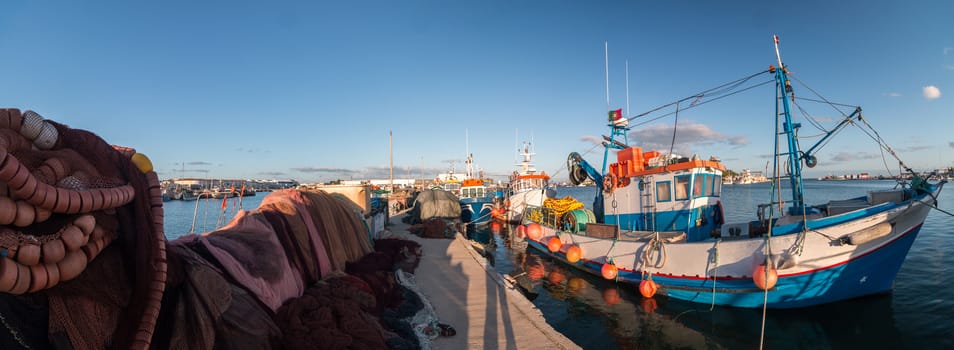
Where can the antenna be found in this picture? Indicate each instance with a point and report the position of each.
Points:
(627, 87)
(607, 75)
(777, 55)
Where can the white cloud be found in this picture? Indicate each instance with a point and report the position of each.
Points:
(659, 137)
(892, 94)
(931, 92)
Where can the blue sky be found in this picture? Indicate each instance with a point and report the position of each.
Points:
(310, 90)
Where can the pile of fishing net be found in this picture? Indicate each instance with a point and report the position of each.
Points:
(271, 278)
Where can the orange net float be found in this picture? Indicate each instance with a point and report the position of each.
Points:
(574, 253)
(554, 244)
(763, 279)
(609, 270)
(648, 288)
(534, 231)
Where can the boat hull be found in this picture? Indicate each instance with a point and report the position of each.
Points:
(476, 211)
(719, 271)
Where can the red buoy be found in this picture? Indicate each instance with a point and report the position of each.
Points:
(534, 231)
(554, 244)
(609, 271)
(574, 253)
(495, 227)
(647, 288)
(763, 280)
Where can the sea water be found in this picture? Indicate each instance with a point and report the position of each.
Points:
(599, 314)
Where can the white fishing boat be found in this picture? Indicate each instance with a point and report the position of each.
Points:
(527, 187)
(660, 221)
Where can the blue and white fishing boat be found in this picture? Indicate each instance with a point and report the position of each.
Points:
(476, 200)
(661, 223)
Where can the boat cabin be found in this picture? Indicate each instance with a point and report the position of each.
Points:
(645, 191)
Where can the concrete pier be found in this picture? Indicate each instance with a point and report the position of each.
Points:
(471, 296)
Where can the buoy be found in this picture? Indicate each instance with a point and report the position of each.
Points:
(763, 280)
(534, 231)
(495, 227)
(142, 162)
(554, 244)
(647, 288)
(611, 296)
(609, 271)
(520, 232)
(574, 253)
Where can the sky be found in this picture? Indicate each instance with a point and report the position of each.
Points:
(312, 90)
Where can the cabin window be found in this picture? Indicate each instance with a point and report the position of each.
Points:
(715, 185)
(664, 191)
(682, 187)
(699, 186)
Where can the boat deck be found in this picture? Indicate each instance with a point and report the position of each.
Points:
(471, 296)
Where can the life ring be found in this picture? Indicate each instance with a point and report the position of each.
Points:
(609, 183)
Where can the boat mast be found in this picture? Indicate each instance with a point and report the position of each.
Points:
(783, 90)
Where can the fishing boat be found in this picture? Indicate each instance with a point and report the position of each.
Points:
(660, 221)
(527, 187)
(476, 201)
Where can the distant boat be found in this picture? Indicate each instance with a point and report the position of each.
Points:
(660, 223)
(476, 200)
(527, 187)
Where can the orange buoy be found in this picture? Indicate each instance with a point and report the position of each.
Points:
(647, 288)
(762, 280)
(611, 296)
(554, 244)
(495, 227)
(534, 231)
(609, 271)
(520, 232)
(574, 253)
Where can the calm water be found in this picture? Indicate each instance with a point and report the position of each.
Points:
(597, 314)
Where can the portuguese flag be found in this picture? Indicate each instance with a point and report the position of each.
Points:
(616, 118)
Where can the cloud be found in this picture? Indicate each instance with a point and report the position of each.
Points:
(951, 144)
(931, 92)
(659, 137)
(309, 169)
(251, 150)
(914, 148)
(271, 173)
(199, 163)
(596, 140)
(849, 156)
(948, 50)
(892, 94)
